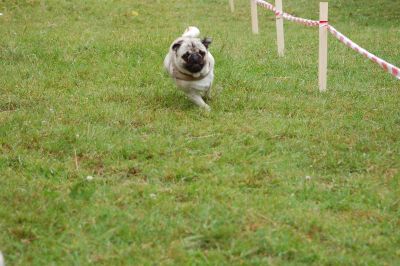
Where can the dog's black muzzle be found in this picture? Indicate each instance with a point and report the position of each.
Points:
(195, 63)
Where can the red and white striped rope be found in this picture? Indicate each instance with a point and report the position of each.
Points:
(392, 69)
(278, 13)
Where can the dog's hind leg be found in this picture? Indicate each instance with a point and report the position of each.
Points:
(195, 98)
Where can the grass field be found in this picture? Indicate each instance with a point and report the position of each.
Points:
(83, 93)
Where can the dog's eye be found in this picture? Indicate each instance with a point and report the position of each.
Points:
(186, 56)
(202, 53)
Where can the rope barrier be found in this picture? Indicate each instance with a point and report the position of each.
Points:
(306, 22)
(392, 69)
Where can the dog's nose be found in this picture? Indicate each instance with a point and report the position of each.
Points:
(194, 58)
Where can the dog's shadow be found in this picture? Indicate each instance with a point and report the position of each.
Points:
(176, 100)
(173, 99)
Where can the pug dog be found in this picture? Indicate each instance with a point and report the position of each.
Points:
(191, 66)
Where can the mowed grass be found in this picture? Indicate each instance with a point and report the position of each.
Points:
(276, 174)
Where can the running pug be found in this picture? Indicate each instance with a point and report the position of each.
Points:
(191, 65)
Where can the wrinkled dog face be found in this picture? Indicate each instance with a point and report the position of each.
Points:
(191, 53)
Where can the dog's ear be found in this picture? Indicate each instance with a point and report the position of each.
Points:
(206, 41)
(176, 45)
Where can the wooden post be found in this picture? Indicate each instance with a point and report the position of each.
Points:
(323, 46)
(43, 5)
(254, 18)
(279, 29)
(232, 5)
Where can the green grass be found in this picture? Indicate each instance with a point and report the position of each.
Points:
(83, 93)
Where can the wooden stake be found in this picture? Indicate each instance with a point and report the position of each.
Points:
(76, 161)
(254, 18)
(232, 5)
(323, 46)
(43, 5)
(279, 29)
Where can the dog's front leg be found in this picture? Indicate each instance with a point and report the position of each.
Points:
(195, 98)
(208, 94)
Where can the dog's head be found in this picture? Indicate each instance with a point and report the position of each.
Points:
(191, 53)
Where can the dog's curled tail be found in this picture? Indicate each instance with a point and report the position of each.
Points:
(192, 32)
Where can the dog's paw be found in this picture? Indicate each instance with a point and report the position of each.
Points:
(206, 108)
